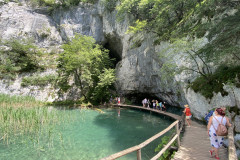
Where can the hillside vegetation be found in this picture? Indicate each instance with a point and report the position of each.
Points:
(182, 23)
(174, 20)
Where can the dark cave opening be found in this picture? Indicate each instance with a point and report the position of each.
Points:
(136, 98)
(113, 54)
(114, 45)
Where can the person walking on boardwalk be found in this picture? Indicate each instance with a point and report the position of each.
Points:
(213, 124)
(164, 107)
(148, 103)
(118, 100)
(157, 105)
(160, 106)
(188, 114)
(154, 104)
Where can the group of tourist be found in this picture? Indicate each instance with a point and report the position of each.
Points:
(216, 128)
(216, 120)
(115, 100)
(155, 104)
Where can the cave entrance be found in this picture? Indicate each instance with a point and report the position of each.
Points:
(114, 45)
(136, 98)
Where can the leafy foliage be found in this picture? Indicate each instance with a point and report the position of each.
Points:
(224, 39)
(16, 57)
(85, 65)
(185, 52)
(139, 26)
(216, 81)
(174, 19)
(217, 20)
(110, 5)
(164, 17)
(167, 154)
(102, 90)
(38, 80)
(53, 4)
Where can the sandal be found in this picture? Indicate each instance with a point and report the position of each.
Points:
(216, 157)
(211, 152)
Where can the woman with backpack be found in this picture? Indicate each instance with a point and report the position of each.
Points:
(216, 130)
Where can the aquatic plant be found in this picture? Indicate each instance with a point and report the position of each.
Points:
(24, 115)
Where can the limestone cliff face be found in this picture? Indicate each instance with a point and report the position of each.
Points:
(138, 66)
(22, 22)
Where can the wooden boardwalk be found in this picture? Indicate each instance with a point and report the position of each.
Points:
(195, 145)
(174, 116)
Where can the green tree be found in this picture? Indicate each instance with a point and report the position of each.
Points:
(224, 40)
(173, 19)
(178, 56)
(18, 57)
(102, 90)
(82, 64)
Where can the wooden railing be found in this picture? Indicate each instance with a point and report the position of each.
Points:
(168, 114)
(232, 155)
(138, 148)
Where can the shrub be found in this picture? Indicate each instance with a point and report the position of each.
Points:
(110, 5)
(38, 80)
(216, 81)
(18, 57)
(167, 154)
(53, 4)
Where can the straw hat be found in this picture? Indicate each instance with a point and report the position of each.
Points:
(186, 105)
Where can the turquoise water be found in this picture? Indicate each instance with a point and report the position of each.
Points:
(89, 135)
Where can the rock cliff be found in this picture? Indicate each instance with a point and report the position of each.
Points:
(138, 62)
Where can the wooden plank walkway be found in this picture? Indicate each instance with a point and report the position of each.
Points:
(174, 116)
(195, 145)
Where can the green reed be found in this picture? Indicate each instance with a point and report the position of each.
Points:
(21, 115)
(26, 120)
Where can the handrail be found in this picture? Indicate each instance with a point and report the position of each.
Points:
(165, 148)
(182, 127)
(231, 146)
(140, 146)
(232, 155)
(174, 116)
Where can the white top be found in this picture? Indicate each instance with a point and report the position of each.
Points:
(145, 100)
(215, 123)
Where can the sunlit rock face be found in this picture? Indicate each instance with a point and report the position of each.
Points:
(23, 22)
(46, 93)
(137, 65)
(83, 19)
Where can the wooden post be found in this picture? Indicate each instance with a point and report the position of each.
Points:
(178, 133)
(139, 157)
(232, 155)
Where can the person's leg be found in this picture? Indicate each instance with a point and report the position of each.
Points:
(216, 153)
(187, 122)
(212, 151)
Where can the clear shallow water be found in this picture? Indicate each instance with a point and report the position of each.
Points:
(89, 135)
